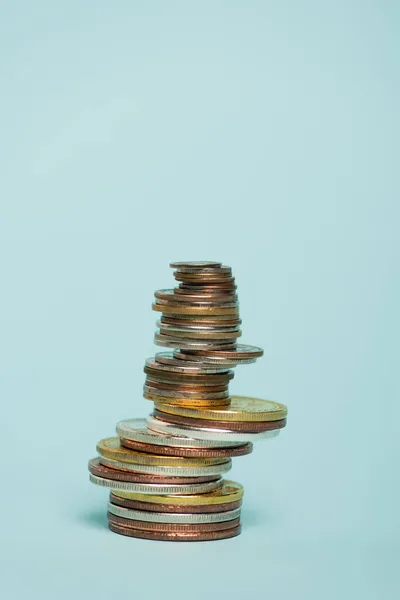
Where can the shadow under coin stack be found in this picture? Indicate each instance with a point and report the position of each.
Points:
(166, 473)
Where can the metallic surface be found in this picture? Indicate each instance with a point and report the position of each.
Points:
(140, 488)
(163, 517)
(242, 426)
(190, 452)
(175, 537)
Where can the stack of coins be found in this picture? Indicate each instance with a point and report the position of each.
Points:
(166, 473)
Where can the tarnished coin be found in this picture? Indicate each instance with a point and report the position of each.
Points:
(192, 344)
(189, 452)
(241, 352)
(204, 433)
(136, 430)
(195, 264)
(174, 309)
(196, 474)
(166, 393)
(143, 488)
(98, 469)
(168, 536)
(229, 492)
(241, 408)
(206, 362)
(111, 448)
(241, 426)
(172, 527)
(164, 517)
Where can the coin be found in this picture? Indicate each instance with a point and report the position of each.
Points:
(194, 309)
(206, 362)
(211, 434)
(153, 381)
(176, 301)
(241, 352)
(185, 401)
(191, 474)
(242, 426)
(209, 299)
(190, 378)
(163, 517)
(204, 278)
(189, 452)
(241, 408)
(209, 286)
(205, 335)
(195, 367)
(111, 448)
(182, 508)
(204, 294)
(222, 269)
(136, 430)
(201, 322)
(175, 537)
(228, 492)
(192, 344)
(100, 470)
(195, 264)
(166, 393)
(172, 527)
(142, 488)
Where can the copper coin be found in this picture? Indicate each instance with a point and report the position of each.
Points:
(207, 395)
(189, 452)
(209, 286)
(173, 508)
(96, 468)
(172, 527)
(212, 293)
(185, 378)
(175, 537)
(205, 278)
(161, 385)
(242, 426)
(200, 321)
(195, 264)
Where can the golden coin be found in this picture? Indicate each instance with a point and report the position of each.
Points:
(241, 409)
(185, 401)
(111, 448)
(229, 492)
(194, 310)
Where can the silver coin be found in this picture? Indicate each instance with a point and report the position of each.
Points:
(198, 328)
(147, 389)
(171, 342)
(205, 361)
(223, 467)
(195, 264)
(207, 270)
(149, 488)
(169, 296)
(136, 430)
(203, 433)
(165, 361)
(156, 517)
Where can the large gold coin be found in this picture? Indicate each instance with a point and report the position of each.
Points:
(111, 448)
(229, 492)
(185, 401)
(241, 409)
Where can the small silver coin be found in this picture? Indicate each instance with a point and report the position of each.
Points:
(165, 517)
(147, 488)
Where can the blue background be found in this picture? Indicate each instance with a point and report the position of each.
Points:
(262, 134)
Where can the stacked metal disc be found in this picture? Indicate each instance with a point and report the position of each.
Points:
(166, 473)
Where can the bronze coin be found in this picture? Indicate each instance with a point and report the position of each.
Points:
(172, 527)
(195, 264)
(206, 278)
(200, 321)
(170, 297)
(189, 452)
(100, 470)
(151, 382)
(242, 426)
(206, 293)
(209, 287)
(175, 537)
(173, 508)
(207, 395)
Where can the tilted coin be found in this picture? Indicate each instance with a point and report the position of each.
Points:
(242, 426)
(165, 393)
(241, 351)
(136, 429)
(163, 374)
(195, 264)
(153, 381)
(200, 334)
(111, 448)
(240, 450)
(241, 408)
(223, 269)
(210, 299)
(113, 473)
(191, 474)
(203, 433)
(207, 362)
(168, 536)
(228, 492)
(185, 401)
(172, 527)
(142, 488)
(194, 310)
(163, 517)
(202, 323)
(203, 294)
